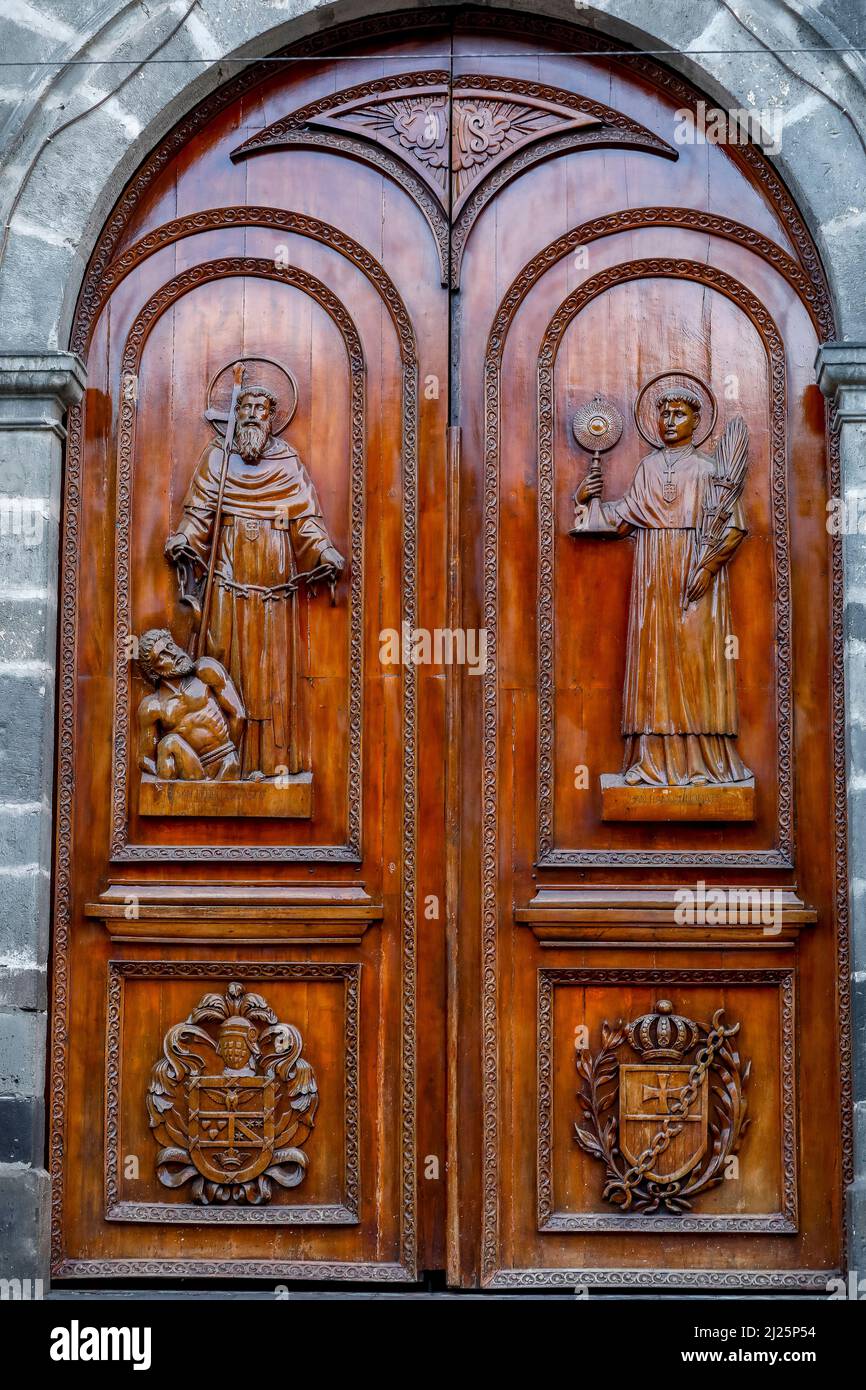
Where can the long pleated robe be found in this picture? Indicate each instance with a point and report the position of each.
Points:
(251, 629)
(680, 718)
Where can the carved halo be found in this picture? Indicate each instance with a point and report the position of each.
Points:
(645, 415)
(263, 371)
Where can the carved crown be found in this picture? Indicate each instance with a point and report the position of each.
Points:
(663, 1034)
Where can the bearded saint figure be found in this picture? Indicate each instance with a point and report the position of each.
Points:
(271, 533)
(680, 719)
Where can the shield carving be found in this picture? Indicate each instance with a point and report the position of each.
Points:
(231, 1126)
(647, 1095)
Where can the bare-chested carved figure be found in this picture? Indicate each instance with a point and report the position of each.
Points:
(190, 725)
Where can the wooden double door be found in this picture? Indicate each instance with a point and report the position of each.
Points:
(451, 848)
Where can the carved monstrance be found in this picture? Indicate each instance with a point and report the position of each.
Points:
(219, 734)
(680, 717)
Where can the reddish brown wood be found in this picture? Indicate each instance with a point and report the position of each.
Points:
(390, 926)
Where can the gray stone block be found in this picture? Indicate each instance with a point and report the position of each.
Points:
(23, 987)
(25, 907)
(30, 461)
(27, 629)
(30, 563)
(25, 834)
(22, 1130)
(26, 722)
(25, 1222)
(22, 1053)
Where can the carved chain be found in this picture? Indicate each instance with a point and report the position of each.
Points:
(680, 1108)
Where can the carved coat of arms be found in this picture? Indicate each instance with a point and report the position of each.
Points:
(663, 1126)
(233, 1120)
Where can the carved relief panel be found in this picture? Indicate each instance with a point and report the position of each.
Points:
(243, 666)
(234, 1122)
(671, 1119)
(676, 700)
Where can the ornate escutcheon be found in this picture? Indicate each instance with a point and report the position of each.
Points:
(232, 1121)
(665, 1126)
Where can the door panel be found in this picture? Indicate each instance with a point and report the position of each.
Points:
(647, 1086)
(368, 961)
(237, 956)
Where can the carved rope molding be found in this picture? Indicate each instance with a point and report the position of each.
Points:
(782, 856)
(355, 147)
(97, 289)
(840, 825)
(633, 219)
(783, 1222)
(168, 295)
(297, 1214)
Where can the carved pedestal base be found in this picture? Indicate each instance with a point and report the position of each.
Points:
(290, 797)
(715, 801)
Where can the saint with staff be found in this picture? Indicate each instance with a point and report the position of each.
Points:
(251, 532)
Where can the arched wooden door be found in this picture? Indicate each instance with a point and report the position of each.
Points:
(451, 874)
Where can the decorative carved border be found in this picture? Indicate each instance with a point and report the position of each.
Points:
(840, 824)
(354, 146)
(270, 136)
(635, 219)
(295, 131)
(784, 1222)
(280, 220)
(351, 1272)
(782, 855)
(618, 131)
(168, 295)
(186, 1213)
(751, 1280)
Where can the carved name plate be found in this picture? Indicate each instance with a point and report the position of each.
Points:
(715, 801)
(290, 796)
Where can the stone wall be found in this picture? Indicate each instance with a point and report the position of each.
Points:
(79, 110)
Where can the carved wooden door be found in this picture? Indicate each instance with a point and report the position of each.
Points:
(400, 793)
(661, 1092)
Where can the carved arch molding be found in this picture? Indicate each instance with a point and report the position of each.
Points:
(267, 977)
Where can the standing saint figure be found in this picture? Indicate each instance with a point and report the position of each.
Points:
(680, 720)
(271, 533)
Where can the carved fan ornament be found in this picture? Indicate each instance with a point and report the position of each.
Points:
(664, 1127)
(232, 1122)
(472, 126)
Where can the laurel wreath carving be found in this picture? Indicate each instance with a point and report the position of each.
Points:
(627, 1186)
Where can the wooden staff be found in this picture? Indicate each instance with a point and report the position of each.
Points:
(238, 374)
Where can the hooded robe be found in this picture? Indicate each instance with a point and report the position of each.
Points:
(251, 626)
